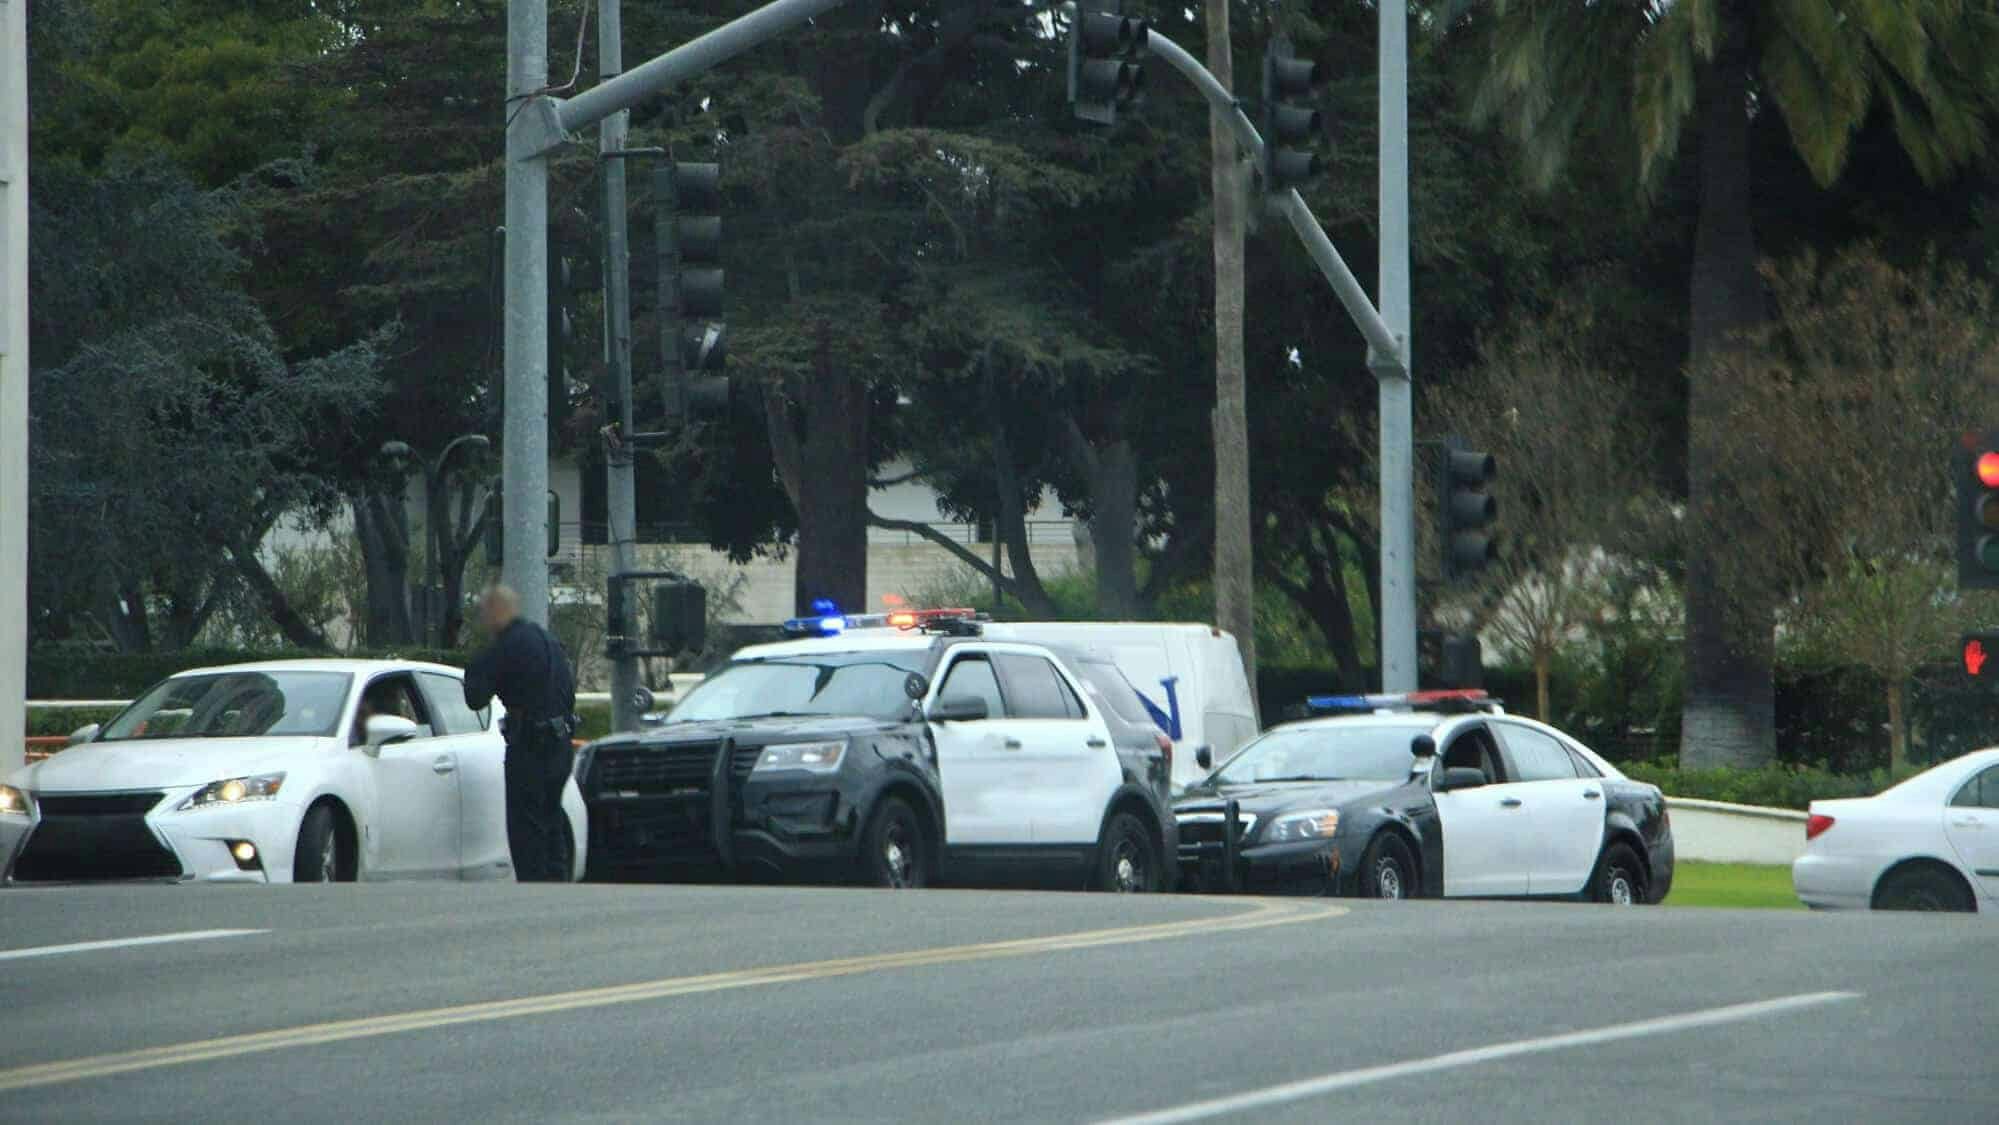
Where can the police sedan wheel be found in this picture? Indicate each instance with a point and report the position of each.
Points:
(329, 860)
(1387, 880)
(1617, 881)
(1387, 869)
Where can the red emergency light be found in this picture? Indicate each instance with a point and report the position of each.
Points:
(916, 618)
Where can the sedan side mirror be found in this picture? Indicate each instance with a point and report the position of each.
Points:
(84, 734)
(1205, 758)
(384, 730)
(915, 686)
(1460, 778)
(958, 709)
(1423, 746)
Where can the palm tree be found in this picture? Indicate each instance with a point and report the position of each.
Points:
(1557, 72)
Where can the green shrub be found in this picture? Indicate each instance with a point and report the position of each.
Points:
(46, 722)
(1781, 787)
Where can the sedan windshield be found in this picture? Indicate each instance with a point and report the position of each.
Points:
(869, 684)
(1325, 753)
(235, 705)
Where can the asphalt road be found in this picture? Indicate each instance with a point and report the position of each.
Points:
(622, 1003)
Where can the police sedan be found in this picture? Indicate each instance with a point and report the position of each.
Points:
(1423, 795)
(288, 771)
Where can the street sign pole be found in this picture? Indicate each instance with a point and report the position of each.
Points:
(13, 381)
(524, 436)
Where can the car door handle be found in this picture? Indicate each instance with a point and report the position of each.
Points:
(1967, 822)
(1592, 795)
(1510, 803)
(443, 764)
(1011, 744)
(1096, 744)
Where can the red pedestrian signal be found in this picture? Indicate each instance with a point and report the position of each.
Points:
(1978, 655)
(1975, 657)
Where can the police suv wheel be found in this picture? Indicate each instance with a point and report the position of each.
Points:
(1619, 878)
(894, 852)
(1387, 870)
(1127, 863)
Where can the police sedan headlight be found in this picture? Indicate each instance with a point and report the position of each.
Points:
(816, 757)
(234, 791)
(15, 802)
(1305, 824)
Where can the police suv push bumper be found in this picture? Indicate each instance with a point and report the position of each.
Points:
(1220, 852)
(722, 806)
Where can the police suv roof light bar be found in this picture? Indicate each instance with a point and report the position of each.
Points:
(828, 621)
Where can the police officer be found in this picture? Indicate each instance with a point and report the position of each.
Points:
(526, 668)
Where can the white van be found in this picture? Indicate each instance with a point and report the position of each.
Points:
(1189, 676)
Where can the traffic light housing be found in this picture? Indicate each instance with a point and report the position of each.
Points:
(1977, 471)
(693, 335)
(1290, 122)
(496, 538)
(1466, 509)
(1104, 72)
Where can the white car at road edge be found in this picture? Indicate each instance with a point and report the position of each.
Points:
(269, 773)
(1930, 843)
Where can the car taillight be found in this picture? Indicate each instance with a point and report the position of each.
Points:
(1815, 824)
(1166, 748)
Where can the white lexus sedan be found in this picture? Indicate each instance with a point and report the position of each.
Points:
(290, 771)
(1930, 843)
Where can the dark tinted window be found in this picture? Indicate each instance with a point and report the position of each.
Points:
(972, 676)
(1035, 690)
(446, 695)
(1536, 756)
(1113, 693)
(1981, 792)
(872, 684)
(1326, 752)
(1473, 749)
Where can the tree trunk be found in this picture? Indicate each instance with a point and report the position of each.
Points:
(385, 556)
(296, 629)
(1114, 529)
(1235, 590)
(824, 468)
(1730, 710)
(1010, 514)
(1542, 659)
(130, 628)
(1898, 727)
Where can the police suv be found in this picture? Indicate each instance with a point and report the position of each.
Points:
(896, 749)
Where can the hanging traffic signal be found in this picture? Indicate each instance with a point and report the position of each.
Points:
(693, 337)
(1977, 472)
(1466, 509)
(1289, 81)
(1104, 71)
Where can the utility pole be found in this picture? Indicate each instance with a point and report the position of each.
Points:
(13, 382)
(1393, 381)
(524, 438)
(1235, 581)
(621, 489)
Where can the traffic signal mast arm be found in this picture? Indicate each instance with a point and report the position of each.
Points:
(1345, 286)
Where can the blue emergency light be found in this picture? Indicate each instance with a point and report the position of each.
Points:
(1398, 700)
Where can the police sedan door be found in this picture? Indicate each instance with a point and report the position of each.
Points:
(474, 739)
(1565, 817)
(1484, 826)
(977, 760)
(1067, 767)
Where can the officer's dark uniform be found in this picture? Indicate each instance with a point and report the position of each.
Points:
(525, 667)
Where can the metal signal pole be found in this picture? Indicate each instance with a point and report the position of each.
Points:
(524, 436)
(621, 489)
(13, 381)
(1392, 376)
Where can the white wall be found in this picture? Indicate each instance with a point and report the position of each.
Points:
(13, 379)
(1723, 833)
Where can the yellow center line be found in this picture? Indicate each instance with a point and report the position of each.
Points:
(1260, 916)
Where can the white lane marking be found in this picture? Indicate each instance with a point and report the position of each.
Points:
(122, 943)
(1341, 1080)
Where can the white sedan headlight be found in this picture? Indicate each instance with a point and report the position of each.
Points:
(15, 802)
(818, 757)
(234, 791)
(1303, 825)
